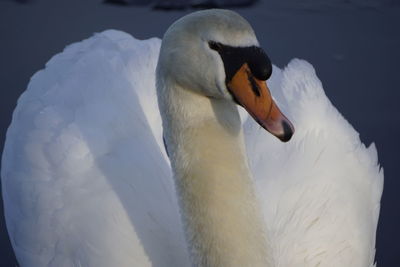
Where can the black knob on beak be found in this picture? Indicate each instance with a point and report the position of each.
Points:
(260, 64)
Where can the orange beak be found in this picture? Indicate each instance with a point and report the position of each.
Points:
(255, 97)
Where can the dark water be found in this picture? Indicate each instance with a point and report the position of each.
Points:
(354, 49)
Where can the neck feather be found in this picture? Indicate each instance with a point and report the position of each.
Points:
(223, 225)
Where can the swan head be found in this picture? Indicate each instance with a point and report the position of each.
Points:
(215, 53)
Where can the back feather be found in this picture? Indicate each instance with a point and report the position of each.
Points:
(85, 178)
(320, 191)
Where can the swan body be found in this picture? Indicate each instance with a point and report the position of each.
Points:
(87, 181)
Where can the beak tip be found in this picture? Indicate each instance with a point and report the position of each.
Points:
(285, 138)
(288, 131)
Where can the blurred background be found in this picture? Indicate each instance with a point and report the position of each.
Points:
(354, 45)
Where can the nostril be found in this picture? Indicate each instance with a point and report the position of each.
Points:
(287, 132)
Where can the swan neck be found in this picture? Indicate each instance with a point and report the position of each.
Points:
(223, 225)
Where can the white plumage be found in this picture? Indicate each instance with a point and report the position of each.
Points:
(86, 180)
(321, 191)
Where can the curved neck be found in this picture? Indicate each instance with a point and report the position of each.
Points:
(223, 225)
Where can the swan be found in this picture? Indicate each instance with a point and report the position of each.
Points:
(146, 153)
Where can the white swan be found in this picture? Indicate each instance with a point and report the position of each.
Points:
(86, 180)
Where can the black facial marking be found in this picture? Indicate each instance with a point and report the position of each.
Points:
(234, 57)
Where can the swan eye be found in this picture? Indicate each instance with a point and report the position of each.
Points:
(215, 46)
